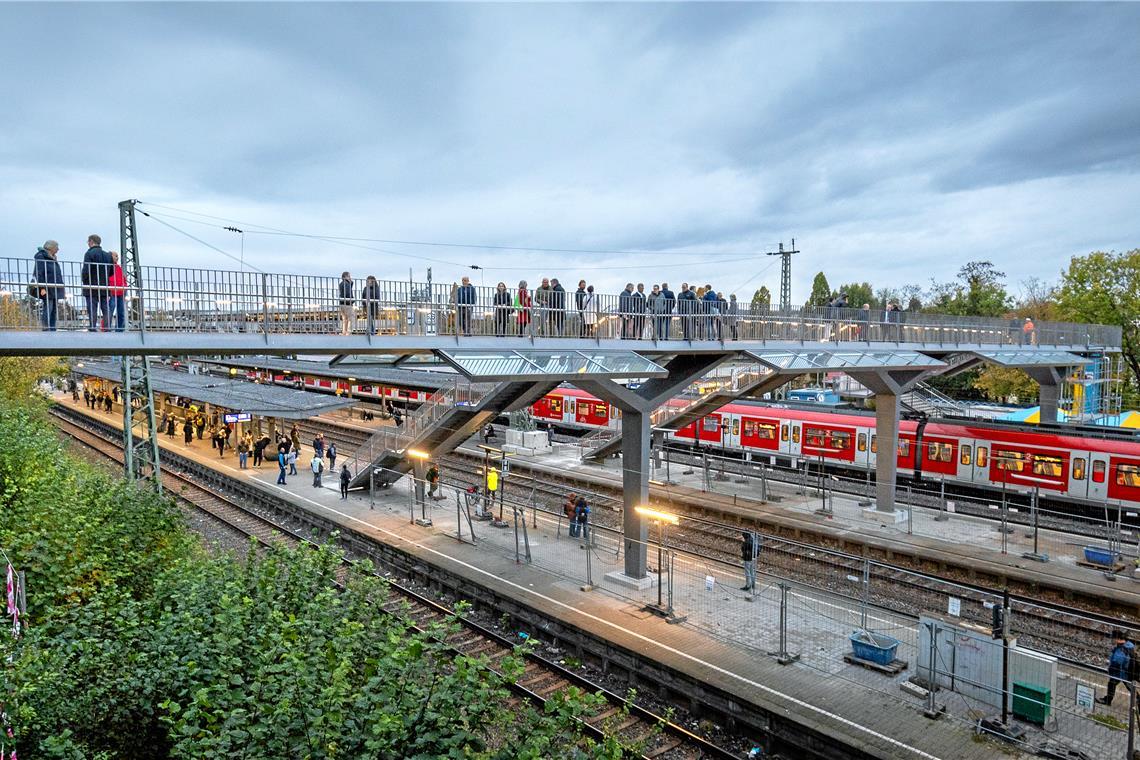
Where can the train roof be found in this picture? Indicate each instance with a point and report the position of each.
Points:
(417, 379)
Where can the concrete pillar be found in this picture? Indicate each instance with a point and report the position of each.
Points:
(1048, 395)
(886, 459)
(636, 433)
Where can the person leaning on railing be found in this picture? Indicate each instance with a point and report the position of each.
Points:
(503, 309)
(465, 304)
(347, 303)
(371, 299)
(95, 274)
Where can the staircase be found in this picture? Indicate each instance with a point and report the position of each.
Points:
(932, 402)
(448, 418)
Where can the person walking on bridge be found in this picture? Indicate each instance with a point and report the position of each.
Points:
(49, 283)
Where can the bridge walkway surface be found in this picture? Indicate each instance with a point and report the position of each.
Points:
(725, 644)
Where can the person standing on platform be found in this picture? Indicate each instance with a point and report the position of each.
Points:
(187, 431)
(291, 457)
(94, 275)
(200, 425)
(1121, 668)
(433, 482)
(243, 453)
(318, 466)
(582, 517)
(331, 454)
(569, 509)
(259, 450)
(749, 550)
(502, 306)
(345, 479)
(488, 433)
(117, 301)
(346, 303)
(295, 437)
(49, 283)
(281, 468)
(318, 445)
(465, 305)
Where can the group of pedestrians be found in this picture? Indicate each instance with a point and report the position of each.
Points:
(370, 299)
(101, 275)
(577, 511)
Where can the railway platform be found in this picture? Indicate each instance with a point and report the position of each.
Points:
(730, 639)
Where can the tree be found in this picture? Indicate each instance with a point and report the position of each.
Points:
(1005, 383)
(1104, 288)
(762, 299)
(1038, 299)
(820, 292)
(858, 293)
(978, 292)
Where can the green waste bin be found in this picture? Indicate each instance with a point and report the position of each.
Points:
(1031, 702)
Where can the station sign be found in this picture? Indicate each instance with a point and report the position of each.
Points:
(240, 417)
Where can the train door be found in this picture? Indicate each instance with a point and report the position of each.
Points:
(571, 413)
(730, 436)
(863, 447)
(966, 453)
(785, 437)
(1078, 486)
(1098, 477)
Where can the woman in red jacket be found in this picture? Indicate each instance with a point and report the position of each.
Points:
(522, 304)
(118, 290)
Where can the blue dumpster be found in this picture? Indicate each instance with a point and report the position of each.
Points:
(875, 647)
(1097, 556)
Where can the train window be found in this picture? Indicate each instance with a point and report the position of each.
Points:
(874, 444)
(783, 432)
(736, 427)
(1047, 466)
(1011, 461)
(1098, 472)
(966, 453)
(795, 433)
(709, 424)
(862, 441)
(904, 448)
(556, 405)
(940, 452)
(1079, 468)
(982, 455)
(601, 410)
(841, 441)
(1128, 475)
(757, 429)
(815, 437)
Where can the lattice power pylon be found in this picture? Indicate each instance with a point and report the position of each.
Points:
(140, 452)
(785, 274)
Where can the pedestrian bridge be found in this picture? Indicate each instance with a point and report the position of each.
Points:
(176, 310)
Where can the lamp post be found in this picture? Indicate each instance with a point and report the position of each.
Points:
(663, 520)
(419, 457)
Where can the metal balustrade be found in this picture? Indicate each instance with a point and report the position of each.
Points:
(202, 300)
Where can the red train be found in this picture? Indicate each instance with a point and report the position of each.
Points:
(1081, 468)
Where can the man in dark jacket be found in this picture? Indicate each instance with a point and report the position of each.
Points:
(669, 302)
(625, 308)
(465, 303)
(749, 549)
(96, 272)
(687, 310)
(580, 305)
(1119, 666)
(710, 308)
(49, 278)
(639, 307)
(557, 306)
(346, 303)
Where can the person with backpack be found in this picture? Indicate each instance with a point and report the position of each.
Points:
(433, 482)
(48, 286)
(243, 453)
(281, 461)
(582, 517)
(331, 454)
(345, 479)
(568, 509)
(1122, 666)
(318, 467)
(749, 550)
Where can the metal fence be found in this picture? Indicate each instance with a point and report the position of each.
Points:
(184, 299)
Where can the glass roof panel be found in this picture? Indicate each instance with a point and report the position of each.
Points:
(1032, 358)
(815, 359)
(505, 365)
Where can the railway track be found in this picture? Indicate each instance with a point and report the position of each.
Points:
(637, 726)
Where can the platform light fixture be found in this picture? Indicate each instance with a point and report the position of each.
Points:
(417, 454)
(653, 514)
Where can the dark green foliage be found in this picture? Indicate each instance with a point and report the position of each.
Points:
(139, 645)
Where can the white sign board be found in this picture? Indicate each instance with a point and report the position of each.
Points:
(709, 582)
(1084, 696)
(954, 607)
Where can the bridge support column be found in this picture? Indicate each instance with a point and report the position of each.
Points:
(1049, 379)
(887, 385)
(635, 490)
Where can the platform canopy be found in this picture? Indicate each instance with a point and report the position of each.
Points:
(1037, 358)
(236, 395)
(551, 365)
(817, 360)
(363, 374)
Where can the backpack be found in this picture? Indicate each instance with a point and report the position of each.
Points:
(33, 288)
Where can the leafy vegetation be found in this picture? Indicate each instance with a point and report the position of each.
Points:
(139, 645)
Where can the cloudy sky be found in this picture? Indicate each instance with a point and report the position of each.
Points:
(893, 141)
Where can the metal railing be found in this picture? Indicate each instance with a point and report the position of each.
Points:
(203, 300)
